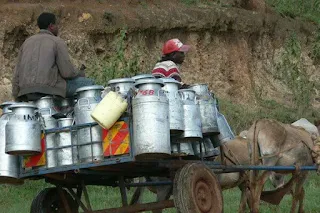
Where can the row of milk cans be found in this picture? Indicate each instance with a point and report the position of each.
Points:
(169, 120)
(166, 120)
(22, 125)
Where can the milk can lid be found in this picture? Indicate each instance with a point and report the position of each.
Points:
(7, 103)
(149, 81)
(65, 119)
(93, 87)
(137, 77)
(186, 90)
(23, 104)
(170, 80)
(121, 80)
(46, 97)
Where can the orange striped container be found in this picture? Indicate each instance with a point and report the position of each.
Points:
(116, 139)
(36, 160)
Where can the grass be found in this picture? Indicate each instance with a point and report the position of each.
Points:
(306, 9)
(17, 199)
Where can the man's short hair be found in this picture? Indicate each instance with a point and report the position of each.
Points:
(45, 19)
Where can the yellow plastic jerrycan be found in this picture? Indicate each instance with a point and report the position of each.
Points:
(109, 110)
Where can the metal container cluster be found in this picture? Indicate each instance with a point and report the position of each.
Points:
(166, 121)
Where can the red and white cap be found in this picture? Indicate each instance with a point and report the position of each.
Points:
(174, 45)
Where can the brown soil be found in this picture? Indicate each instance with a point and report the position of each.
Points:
(233, 48)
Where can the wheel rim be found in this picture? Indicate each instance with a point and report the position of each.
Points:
(203, 196)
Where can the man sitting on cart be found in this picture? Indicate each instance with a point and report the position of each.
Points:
(44, 67)
(173, 54)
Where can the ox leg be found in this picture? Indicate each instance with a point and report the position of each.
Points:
(256, 192)
(244, 198)
(298, 194)
(301, 204)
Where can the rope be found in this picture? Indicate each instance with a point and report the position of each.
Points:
(316, 153)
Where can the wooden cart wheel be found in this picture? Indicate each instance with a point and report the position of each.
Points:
(50, 201)
(197, 190)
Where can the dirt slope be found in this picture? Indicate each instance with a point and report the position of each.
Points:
(233, 49)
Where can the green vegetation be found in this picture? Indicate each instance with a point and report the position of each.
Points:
(306, 9)
(292, 72)
(117, 65)
(316, 47)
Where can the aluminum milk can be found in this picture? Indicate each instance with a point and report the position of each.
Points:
(182, 148)
(75, 147)
(89, 141)
(121, 86)
(192, 120)
(151, 127)
(186, 148)
(207, 148)
(46, 106)
(196, 148)
(171, 87)
(9, 164)
(64, 143)
(51, 142)
(87, 98)
(23, 130)
(215, 140)
(208, 110)
(65, 105)
(226, 133)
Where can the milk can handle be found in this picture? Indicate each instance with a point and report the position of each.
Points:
(176, 94)
(82, 106)
(45, 109)
(160, 90)
(195, 99)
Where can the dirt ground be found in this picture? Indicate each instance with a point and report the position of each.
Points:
(234, 44)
